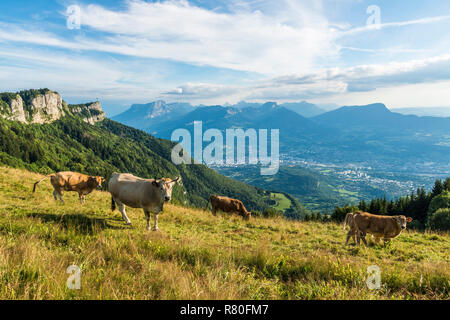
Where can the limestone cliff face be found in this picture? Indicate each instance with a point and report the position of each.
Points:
(17, 111)
(45, 106)
(91, 112)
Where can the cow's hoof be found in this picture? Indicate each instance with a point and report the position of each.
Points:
(156, 229)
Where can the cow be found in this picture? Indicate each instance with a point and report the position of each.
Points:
(72, 181)
(348, 221)
(226, 204)
(135, 192)
(386, 227)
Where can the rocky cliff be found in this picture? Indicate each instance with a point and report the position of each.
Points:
(45, 106)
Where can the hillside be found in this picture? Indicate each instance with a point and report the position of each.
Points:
(73, 143)
(314, 190)
(197, 255)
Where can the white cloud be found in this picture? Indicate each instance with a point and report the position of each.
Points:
(243, 40)
(373, 27)
(325, 83)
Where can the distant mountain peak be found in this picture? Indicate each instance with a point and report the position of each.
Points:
(270, 105)
(370, 107)
(143, 116)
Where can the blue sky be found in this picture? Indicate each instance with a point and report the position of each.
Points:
(215, 52)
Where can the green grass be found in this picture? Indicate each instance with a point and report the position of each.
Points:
(282, 203)
(197, 255)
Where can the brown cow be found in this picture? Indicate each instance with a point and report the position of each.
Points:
(226, 204)
(386, 227)
(72, 181)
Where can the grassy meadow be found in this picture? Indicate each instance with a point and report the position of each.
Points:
(197, 255)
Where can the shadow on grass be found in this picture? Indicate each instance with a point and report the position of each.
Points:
(77, 221)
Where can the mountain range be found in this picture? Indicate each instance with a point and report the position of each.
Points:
(370, 134)
(145, 116)
(430, 111)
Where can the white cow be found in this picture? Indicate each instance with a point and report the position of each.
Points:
(135, 192)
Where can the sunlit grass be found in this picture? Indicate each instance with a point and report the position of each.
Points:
(197, 255)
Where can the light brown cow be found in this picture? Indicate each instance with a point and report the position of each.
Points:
(148, 194)
(72, 181)
(348, 221)
(230, 205)
(386, 227)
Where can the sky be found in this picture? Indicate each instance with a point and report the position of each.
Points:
(328, 52)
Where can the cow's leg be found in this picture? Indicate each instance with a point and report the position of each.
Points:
(122, 211)
(60, 195)
(361, 235)
(213, 209)
(55, 195)
(364, 238)
(349, 234)
(354, 236)
(155, 228)
(147, 217)
(82, 198)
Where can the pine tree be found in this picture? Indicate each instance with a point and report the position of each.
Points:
(447, 184)
(437, 188)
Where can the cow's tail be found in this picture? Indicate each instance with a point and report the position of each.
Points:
(207, 204)
(347, 217)
(113, 204)
(36, 183)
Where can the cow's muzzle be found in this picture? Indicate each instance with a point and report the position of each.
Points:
(167, 199)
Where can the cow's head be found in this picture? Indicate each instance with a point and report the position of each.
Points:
(248, 215)
(402, 221)
(165, 186)
(96, 181)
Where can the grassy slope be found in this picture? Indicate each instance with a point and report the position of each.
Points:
(196, 255)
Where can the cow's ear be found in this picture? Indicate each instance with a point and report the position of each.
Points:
(409, 219)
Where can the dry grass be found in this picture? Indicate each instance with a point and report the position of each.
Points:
(196, 255)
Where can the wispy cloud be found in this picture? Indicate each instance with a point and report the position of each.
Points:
(177, 30)
(326, 82)
(374, 27)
